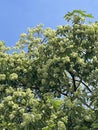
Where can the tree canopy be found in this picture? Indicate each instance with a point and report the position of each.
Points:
(49, 79)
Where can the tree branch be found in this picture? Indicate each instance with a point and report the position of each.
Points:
(79, 83)
(65, 94)
(84, 84)
(74, 83)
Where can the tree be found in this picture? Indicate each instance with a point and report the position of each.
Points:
(48, 81)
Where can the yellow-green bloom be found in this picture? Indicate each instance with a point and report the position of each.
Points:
(2, 76)
(13, 76)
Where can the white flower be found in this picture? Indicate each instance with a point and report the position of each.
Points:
(81, 61)
(66, 59)
(13, 76)
(23, 35)
(2, 76)
(74, 54)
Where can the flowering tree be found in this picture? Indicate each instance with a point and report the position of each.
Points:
(48, 81)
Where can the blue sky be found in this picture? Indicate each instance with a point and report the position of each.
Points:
(17, 15)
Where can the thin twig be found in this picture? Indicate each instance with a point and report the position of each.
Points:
(84, 85)
(65, 94)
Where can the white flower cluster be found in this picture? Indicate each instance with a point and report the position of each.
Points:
(23, 35)
(2, 76)
(13, 76)
(74, 54)
(49, 33)
(80, 61)
(66, 59)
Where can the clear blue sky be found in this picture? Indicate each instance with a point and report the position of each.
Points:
(17, 15)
